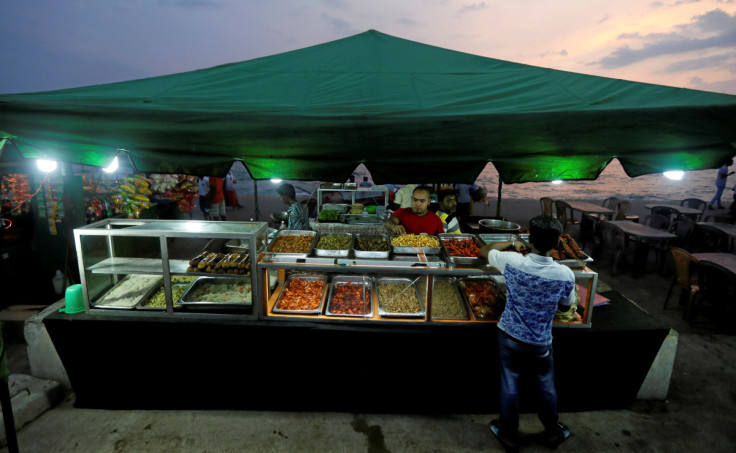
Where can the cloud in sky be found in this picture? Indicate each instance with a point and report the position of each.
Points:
(713, 30)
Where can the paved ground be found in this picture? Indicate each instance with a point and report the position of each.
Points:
(697, 416)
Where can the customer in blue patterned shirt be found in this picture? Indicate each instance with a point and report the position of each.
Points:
(536, 287)
(298, 219)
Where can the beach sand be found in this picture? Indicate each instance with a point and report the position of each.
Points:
(698, 414)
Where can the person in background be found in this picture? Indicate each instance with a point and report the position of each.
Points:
(232, 195)
(204, 203)
(447, 200)
(536, 287)
(403, 197)
(298, 219)
(464, 191)
(365, 182)
(723, 174)
(216, 196)
(417, 219)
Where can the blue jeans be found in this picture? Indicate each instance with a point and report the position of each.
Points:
(519, 358)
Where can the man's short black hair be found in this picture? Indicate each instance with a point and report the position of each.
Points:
(445, 193)
(287, 190)
(544, 232)
(424, 188)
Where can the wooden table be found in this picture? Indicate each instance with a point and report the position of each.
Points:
(727, 260)
(683, 210)
(639, 233)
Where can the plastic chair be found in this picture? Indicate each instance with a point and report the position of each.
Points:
(613, 240)
(547, 204)
(672, 214)
(565, 214)
(717, 291)
(695, 203)
(657, 221)
(683, 228)
(684, 277)
(706, 238)
(623, 210)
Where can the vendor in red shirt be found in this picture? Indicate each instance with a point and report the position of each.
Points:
(418, 218)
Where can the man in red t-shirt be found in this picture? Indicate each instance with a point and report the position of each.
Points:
(417, 219)
(217, 198)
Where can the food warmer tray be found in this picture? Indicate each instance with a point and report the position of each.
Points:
(292, 277)
(461, 301)
(405, 281)
(131, 305)
(415, 250)
(382, 254)
(469, 260)
(368, 285)
(476, 316)
(342, 253)
(187, 300)
(269, 249)
(142, 304)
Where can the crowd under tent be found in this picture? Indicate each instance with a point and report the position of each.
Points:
(406, 110)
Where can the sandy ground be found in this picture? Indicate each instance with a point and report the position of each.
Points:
(697, 415)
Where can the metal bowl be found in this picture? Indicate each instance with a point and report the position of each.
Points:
(498, 226)
(280, 216)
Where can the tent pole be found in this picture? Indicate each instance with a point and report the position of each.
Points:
(255, 198)
(498, 205)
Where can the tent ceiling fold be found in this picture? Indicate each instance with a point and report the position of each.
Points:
(411, 112)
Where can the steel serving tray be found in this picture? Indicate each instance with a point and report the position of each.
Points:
(309, 277)
(415, 250)
(384, 254)
(404, 281)
(144, 293)
(487, 238)
(472, 260)
(459, 298)
(179, 286)
(269, 249)
(189, 297)
(333, 252)
(368, 284)
(476, 315)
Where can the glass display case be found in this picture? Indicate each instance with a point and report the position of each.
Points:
(170, 267)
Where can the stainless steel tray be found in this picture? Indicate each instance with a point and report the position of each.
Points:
(308, 277)
(368, 285)
(237, 246)
(415, 250)
(180, 286)
(371, 253)
(333, 252)
(189, 298)
(471, 260)
(497, 306)
(269, 249)
(487, 238)
(460, 301)
(404, 281)
(143, 294)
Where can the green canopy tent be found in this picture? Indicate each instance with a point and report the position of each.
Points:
(405, 109)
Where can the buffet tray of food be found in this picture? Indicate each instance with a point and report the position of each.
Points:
(461, 248)
(302, 294)
(400, 297)
(333, 244)
(129, 291)
(416, 243)
(213, 292)
(447, 302)
(485, 297)
(350, 296)
(294, 243)
(372, 246)
(157, 300)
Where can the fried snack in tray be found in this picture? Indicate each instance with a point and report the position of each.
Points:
(220, 263)
(302, 294)
(485, 297)
(415, 240)
(567, 249)
(461, 247)
(292, 243)
(349, 298)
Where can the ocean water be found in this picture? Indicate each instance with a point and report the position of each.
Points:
(613, 181)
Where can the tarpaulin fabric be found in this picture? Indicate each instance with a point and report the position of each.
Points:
(408, 111)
